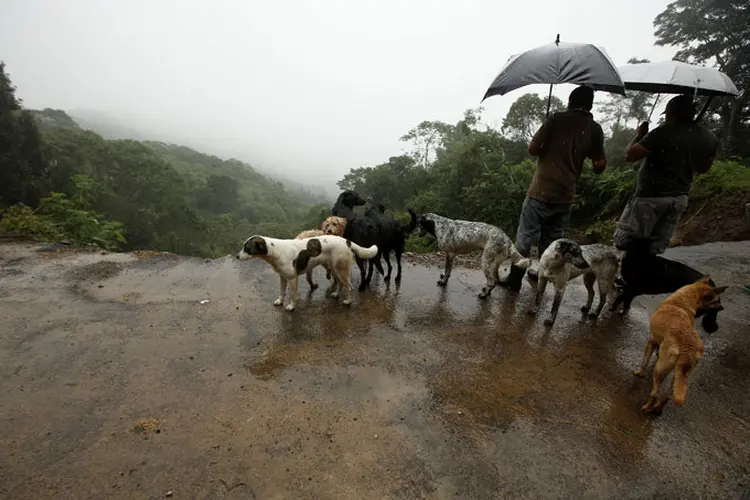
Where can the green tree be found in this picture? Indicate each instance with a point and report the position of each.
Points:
(527, 114)
(707, 31)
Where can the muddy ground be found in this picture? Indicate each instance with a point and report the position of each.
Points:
(156, 376)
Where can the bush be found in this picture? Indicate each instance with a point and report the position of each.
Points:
(59, 219)
(724, 177)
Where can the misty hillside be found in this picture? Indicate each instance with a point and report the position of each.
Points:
(110, 127)
(62, 182)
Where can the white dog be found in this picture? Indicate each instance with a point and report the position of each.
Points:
(293, 258)
(565, 260)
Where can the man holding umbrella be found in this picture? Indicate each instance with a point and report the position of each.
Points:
(674, 152)
(561, 145)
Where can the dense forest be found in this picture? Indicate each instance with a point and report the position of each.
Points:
(60, 181)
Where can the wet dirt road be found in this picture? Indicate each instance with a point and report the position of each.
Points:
(116, 382)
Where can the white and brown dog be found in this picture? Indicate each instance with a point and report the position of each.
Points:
(293, 258)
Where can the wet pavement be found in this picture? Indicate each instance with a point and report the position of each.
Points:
(117, 382)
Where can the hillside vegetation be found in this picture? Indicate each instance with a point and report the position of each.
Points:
(61, 182)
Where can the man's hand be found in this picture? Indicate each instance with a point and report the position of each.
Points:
(641, 131)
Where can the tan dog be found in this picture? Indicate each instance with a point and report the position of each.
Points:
(334, 225)
(312, 233)
(680, 346)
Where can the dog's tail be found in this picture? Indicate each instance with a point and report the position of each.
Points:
(519, 260)
(412, 225)
(361, 252)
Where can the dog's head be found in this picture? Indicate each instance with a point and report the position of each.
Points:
(254, 246)
(426, 225)
(334, 225)
(571, 253)
(350, 199)
(709, 295)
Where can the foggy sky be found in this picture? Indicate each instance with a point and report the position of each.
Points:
(312, 88)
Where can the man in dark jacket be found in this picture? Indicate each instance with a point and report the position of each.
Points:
(561, 144)
(674, 153)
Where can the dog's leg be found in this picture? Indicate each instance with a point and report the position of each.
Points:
(588, 281)
(556, 301)
(540, 287)
(603, 293)
(618, 300)
(647, 353)
(344, 283)
(282, 291)
(387, 258)
(363, 282)
(626, 304)
(328, 272)
(398, 265)
(664, 364)
(313, 286)
(490, 268)
(447, 273)
(294, 285)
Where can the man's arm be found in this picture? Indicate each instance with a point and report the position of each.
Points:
(636, 150)
(597, 154)
(536, 146)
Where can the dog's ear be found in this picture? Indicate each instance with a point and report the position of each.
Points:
(256, 246)
(720, 289)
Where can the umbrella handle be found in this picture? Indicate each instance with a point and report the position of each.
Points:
(654, 106)
(549, 97)
(704, 109)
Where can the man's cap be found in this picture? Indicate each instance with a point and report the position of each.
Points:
(681, 105)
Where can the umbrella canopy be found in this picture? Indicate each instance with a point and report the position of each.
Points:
(559, 62)
(674, 77)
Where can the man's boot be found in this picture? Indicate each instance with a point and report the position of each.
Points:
(514, 279)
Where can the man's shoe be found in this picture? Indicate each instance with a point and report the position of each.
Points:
(514, 279)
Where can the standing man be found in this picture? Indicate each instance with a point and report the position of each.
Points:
(561, 144)
(674, 153)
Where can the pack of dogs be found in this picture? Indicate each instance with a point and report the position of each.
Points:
(368, 236)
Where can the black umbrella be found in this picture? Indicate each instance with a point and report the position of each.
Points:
(559, 62)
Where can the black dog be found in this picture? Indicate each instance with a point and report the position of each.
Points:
(646, 274)
(360, 229)
(393, 236)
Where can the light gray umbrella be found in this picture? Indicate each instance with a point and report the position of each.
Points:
(675, 77)
(559, 62)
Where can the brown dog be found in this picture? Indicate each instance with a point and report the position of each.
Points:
(334, 225)
(673, 332)
(312, 233)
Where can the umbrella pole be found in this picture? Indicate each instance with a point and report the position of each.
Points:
(653, 107)
(549, 97)
(704, 109)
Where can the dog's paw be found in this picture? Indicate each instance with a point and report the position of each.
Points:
(638, 373)
(347, 302)
(289, 307)
(549, 322)
(593, 315)
(442, 282)
(278, 302)
(585, 309)
(483, 294)
(334, 295)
